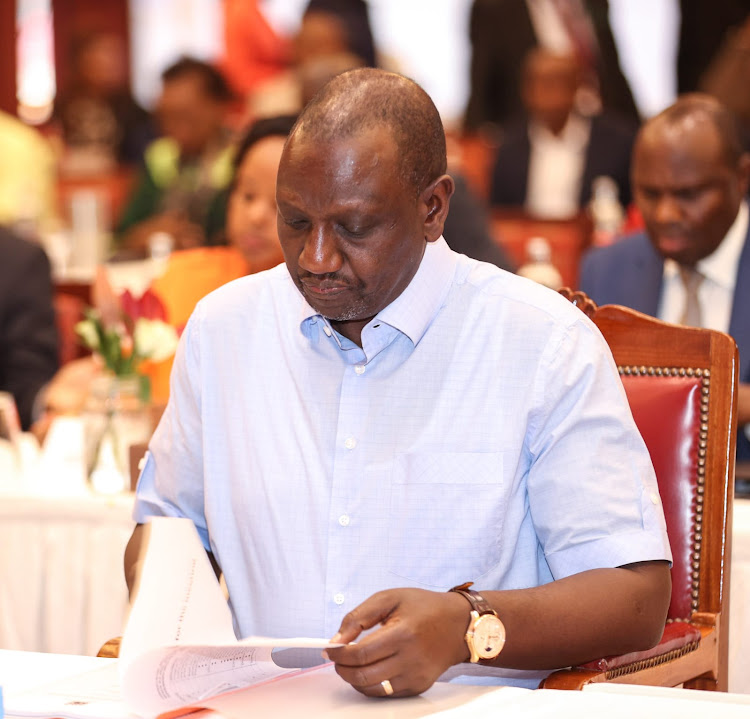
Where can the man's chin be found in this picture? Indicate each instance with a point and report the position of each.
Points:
(677, 248)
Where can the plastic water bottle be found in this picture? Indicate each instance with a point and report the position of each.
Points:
(538, 266)
(606, 211)
(160, 246)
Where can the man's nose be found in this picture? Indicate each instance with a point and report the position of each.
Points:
(320, 254)
(667, 210)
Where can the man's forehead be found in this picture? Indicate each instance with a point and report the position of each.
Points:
(694, 149)
(692, 136)
(358, 151)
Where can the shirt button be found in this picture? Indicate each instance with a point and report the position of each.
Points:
(338, 598)
(350, 443)
(359, 368)
(654, 498)
(327, 330)
(344, 520)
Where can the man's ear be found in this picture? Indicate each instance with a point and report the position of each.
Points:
(435, 200)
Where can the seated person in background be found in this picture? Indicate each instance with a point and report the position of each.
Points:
(503, 31)
(380, 419)
(182, 187)
(27, 178)
(333, 36)
(250, 226)
(100, 122)
(28, 335)
(547, 163)
(250, 231)
(692, 265)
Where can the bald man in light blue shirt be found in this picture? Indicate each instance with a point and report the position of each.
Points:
(380, 419)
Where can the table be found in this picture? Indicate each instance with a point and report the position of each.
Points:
(739, 600)
(62, 586)
(325, 695)
(63, 589)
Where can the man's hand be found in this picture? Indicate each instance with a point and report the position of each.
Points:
(421, 634)
(559, 624)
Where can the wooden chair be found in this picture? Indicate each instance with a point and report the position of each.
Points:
(681, 383)
(568, 239)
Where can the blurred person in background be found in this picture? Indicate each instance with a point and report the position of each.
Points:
(503, 31)
(100, 123)
(191, 274)
(706, 28)
(28, 335)
(253, 52)
(692, 264)
(181, 190)
(548, 161)
(726, 77)
(28, 198)
(252, 240)
(334, 36)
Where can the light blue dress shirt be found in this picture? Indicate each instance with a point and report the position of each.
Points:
(480, 433)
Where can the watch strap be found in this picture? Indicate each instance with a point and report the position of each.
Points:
(478, 603)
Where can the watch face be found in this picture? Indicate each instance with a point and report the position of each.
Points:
(489, 636)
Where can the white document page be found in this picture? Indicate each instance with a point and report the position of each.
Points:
(179, 646)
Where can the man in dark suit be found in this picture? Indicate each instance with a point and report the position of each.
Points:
(503, 31)
(690, 181)
(28, 336)
(549, 161)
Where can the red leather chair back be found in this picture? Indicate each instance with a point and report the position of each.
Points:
(667, 410)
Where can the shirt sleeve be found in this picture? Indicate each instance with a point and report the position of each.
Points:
(171, 483)
(593, 494)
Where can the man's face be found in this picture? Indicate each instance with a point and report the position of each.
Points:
(188, 114)
(686, 189)
(352, 235)
(549, 89)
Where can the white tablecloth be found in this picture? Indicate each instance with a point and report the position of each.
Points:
(62, 587)
(739, 600)
(324, 694)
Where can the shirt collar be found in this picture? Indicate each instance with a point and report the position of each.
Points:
(721, 265)
(574, 135)
(414, 309)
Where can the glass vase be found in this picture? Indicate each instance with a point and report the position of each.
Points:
(116, 417)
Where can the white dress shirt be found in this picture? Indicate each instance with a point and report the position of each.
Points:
(556, 167)
(716, 291)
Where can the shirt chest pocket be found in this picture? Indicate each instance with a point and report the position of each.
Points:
(446, 516)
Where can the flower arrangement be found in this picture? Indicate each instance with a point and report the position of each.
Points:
(127, 332)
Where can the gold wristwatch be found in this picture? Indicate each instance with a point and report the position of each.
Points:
(485, 635)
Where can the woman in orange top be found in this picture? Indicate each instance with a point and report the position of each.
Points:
(253, 243)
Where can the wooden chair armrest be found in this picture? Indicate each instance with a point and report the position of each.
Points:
(110, 649)
(678, 640)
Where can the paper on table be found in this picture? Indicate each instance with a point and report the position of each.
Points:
(179, 646)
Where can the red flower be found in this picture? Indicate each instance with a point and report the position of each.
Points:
(148, 306)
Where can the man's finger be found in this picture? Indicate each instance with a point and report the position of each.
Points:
(371, 612)
(375, 647)
(372, 674)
